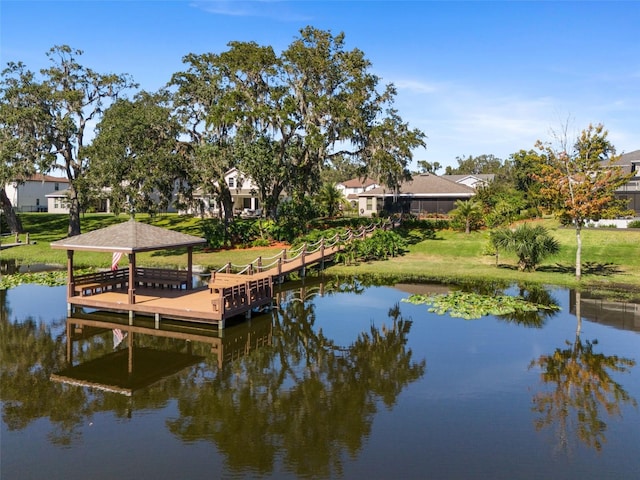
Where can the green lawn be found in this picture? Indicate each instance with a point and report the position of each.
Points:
(611, 257)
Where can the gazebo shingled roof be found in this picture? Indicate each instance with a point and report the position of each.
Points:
(128, 237)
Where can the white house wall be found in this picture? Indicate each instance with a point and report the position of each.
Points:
(31, 195)
(57, 205)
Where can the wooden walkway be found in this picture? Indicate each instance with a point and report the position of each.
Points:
(232, 290)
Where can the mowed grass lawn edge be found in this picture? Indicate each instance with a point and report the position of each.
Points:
(610, 257)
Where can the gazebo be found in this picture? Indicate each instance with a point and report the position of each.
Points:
(129, 238)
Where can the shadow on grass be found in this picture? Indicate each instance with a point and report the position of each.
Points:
(589, 268)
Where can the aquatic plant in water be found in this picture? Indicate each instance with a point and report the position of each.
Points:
(470, 305)
(50, 279)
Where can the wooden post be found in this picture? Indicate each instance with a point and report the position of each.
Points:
(260, 264)
(71, 284)
(302, 258)
(228, 269)
(69, 344)
(189, 268)
(322, 253)
(130, 345)
(132, 278)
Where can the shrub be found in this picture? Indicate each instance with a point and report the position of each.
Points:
(381, 245)
(634, 224)
(293, 218)
(213, 232)
(530, 244)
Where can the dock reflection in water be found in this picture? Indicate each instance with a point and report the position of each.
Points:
(142, 354)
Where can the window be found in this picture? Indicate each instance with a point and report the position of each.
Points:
(232, 182)
(56, 186)
(369, 203)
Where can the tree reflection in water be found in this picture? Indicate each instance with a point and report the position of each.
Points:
(582, 388)
(533, 319)
(303, 398)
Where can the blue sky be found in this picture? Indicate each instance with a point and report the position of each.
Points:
(475, 77)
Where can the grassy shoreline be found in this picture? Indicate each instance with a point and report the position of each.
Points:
(611, 257)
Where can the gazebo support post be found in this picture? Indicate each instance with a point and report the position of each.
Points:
(189, 268)
(132, 278)
(71, 285)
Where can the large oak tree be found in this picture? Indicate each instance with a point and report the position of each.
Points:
(136, 156)
(24, 130)
(63, 101)
(282, 119)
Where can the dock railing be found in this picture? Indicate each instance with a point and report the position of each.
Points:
(99, 282)
(300, 257)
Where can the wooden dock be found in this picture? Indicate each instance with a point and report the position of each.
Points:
(232, 290)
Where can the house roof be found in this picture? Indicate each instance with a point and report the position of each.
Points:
(631, 157)
(128, 237)
(39, 177)
(626, 160)
(487, 177)
(425, 185)
(358, 182)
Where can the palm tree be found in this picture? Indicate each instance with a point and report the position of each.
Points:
(530, 244)
(469, 211)
(330, 198)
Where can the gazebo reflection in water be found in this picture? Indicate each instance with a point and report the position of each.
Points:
(105, 352)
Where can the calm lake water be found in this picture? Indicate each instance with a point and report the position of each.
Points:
(340, 381)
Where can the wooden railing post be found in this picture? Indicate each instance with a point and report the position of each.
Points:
(260, 264)
(280, 269)
(322, 253)
(302, 259)
(228, 269)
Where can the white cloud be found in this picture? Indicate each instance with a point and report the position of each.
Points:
(461, 120)
(275, 9)
(416, 86)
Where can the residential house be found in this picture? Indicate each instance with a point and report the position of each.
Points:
(244, 193)
(425, 194)
(58, 202)
(31, 195)
(630, 163)
(352, 188)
